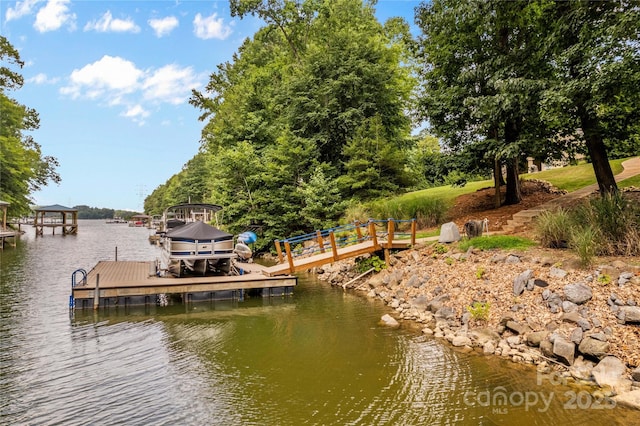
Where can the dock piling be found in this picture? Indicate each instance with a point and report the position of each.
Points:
(96, 294)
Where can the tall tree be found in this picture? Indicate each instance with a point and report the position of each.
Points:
(23, 167)
(295, 95)
(597, 67)
(483, 77)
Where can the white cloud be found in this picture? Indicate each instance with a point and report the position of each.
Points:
(170, 84)
(54, 15)
(114, 81)
(136, 113)
(163, 26)
(22, 8)
(210, 27)
(110, 77)
(106, 23)
(42, 78)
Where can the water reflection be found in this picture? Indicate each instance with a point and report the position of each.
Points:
(319, 357)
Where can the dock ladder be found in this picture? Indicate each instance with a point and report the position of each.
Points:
(74, 283)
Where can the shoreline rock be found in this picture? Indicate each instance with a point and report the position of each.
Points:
(534, 307)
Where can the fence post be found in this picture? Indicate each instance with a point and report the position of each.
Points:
(287, 249)
(320, 241)
(358, 230)
(334, 247)
(414, 226)
(279, 251)
(390, 229)
(372, 232)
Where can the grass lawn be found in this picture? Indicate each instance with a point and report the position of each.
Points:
(569, 178)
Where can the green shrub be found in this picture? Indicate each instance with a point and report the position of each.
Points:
(356, 211)
(364, 264)
(617, 222)
(584, 243)
(553, 228)
(427, 211)
(440, 248)
(479, 311)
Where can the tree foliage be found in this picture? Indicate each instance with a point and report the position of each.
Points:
(295, 108)
(23, 167)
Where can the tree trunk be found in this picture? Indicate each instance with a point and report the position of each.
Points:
(598, 153)
(497, 180)
(513, 194)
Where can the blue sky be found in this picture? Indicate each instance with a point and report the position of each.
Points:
(111, 82)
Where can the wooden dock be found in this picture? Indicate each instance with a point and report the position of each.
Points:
(123, 283)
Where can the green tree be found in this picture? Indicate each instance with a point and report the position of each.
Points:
(289, 102)
(23, 167)
(483, 75)
(373, 166)
(597, 73)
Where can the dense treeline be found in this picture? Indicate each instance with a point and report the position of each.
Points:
(86, 212)
(315, 111)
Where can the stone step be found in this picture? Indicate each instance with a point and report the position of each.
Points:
(528, 215)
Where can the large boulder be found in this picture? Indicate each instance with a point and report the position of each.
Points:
(449, 233)
(564, 350)
(389, 321)
(629, 399)
(593, 347)
(630, 314)
(577, 293)
(610, 371)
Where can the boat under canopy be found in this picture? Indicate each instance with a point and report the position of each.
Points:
(198, 248)
(198, 231)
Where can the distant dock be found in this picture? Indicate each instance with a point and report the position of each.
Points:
(123, 283)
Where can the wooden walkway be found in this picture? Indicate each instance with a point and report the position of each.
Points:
(121, 282)
(328, 246)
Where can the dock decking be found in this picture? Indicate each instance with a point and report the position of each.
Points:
(135, 283)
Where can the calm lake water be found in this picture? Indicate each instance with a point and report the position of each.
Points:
(318, 357)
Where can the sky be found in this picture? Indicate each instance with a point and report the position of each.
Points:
(111, 81)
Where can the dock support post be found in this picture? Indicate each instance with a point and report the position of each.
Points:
(96, 294)
(116, 253)
(390, 230)
(287, 248)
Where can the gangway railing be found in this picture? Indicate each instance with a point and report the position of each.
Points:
(380, 232)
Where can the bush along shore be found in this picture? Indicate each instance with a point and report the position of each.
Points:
(535, 307)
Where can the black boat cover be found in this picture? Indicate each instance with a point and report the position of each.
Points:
(198, 231)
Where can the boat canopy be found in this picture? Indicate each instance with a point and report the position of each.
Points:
(198, 231)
